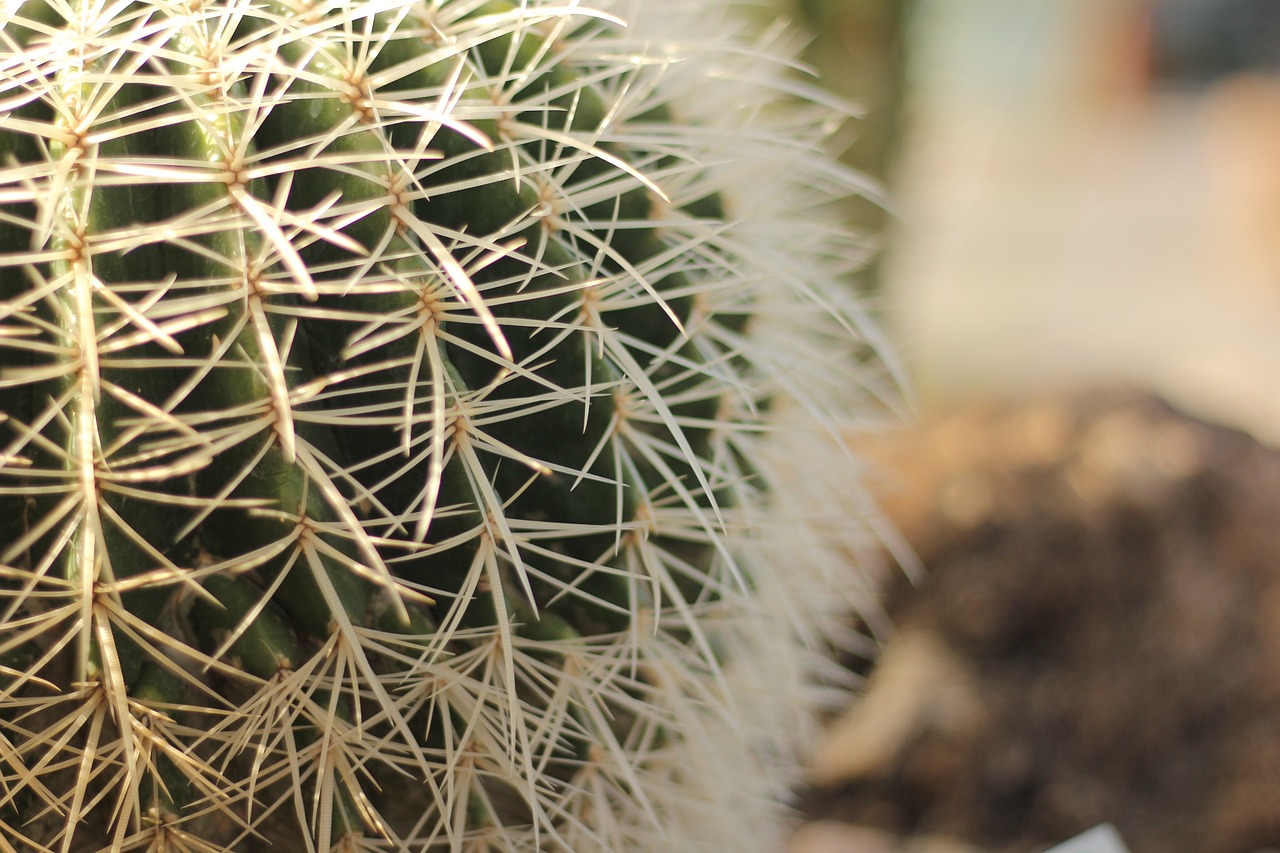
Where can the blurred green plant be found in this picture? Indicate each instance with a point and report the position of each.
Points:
(859, 47)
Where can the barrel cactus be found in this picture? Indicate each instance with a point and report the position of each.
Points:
(421, 425)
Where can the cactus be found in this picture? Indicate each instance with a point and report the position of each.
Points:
(420, 426)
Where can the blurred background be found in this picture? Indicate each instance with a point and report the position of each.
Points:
(1090, 193)
(1082, 270)
(1086, 191)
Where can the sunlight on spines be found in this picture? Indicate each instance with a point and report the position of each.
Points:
(423, 425)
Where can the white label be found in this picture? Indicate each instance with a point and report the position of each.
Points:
(1100, 839)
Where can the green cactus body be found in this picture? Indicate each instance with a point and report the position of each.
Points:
(420, 426)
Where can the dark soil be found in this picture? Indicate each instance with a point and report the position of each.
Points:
(1107, 573)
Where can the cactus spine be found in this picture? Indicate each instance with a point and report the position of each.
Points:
(413, 426)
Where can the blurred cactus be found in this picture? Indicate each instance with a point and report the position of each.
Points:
(420, 426)
(860, 49)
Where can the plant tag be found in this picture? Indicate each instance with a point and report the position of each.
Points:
(1100, 839)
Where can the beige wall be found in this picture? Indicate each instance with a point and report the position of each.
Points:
(1065, 224)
